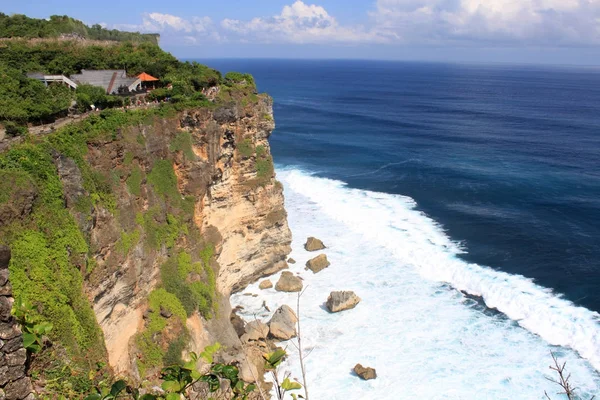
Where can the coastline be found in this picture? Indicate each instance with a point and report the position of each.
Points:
(405, 317)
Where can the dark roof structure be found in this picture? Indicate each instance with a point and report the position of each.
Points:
(110, 80)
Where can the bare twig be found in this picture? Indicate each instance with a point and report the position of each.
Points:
(262, 395)
(563, 381)
(300, 345)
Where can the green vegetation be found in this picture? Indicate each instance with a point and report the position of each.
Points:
(193, 283)
(151, 352)
(178, 379)
(264, 168)
(163, 179)
(134, 182)
(48, 248)
(128, 241)
(32, 326)
(245, 148)
(183, 143)
(19, 25)
(159, 233)
(23, 99)
(238, 78)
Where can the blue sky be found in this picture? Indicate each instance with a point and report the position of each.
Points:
(514, 31)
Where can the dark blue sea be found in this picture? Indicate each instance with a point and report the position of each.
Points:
(495, 167)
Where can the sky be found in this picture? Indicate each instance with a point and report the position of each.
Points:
(508, 31)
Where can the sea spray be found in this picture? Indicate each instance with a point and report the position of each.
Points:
(425, 338)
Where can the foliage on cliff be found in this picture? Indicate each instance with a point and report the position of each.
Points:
(27, 100)
(21, 26)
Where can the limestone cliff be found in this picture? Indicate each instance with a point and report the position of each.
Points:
(236, 206)
(175, 210)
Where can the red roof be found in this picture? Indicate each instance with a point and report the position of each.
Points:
(147, 78)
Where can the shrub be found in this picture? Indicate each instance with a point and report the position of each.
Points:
(134, 182)
(237, 78)
(163, 179)
(245, 148)
(183, 143)
(14, 129)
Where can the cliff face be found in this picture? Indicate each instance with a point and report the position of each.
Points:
(158, 220)
(220, 194)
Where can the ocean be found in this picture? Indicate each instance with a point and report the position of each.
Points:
(461, 203)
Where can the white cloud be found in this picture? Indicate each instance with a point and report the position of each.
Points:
(299, 23)
(411, 22)
(158, 22)
(541, 22)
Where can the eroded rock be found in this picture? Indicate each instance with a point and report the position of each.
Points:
(313, 244)
(365, 373)
(266, 284)
(288, 282)
(18, 389)
(283, 323)
(340, 301)
(255, 330)
(318, 263)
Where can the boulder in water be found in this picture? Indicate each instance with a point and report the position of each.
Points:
(340, 301)
(318, 263)
(365, 373)
(313, 244)
(255, 330)
(266, 284)
(288, 283)
(283, 323)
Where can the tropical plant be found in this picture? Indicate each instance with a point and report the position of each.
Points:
(272, 362)
(33, 328)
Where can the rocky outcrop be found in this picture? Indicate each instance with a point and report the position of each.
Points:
(340, 301)
(365, 373)
(283, 323)
(288, 282)
(313, 244)
(266, 284)
(318, 263)
(14, 384)
(255, 330)
(233, 208)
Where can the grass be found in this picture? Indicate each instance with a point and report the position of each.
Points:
(183, 143)
(245, 148)
(128, 241)
(134, 182)
(163, 179)
(159, 233)
(151, 352)
(197, 294)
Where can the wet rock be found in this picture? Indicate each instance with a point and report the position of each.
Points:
(318, 263)
(288, 282)
(283, 323)
(340, 301)
(313, 244)
(365, 373)
(266, 284)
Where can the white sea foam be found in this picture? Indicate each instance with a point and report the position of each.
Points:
(425, 338)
